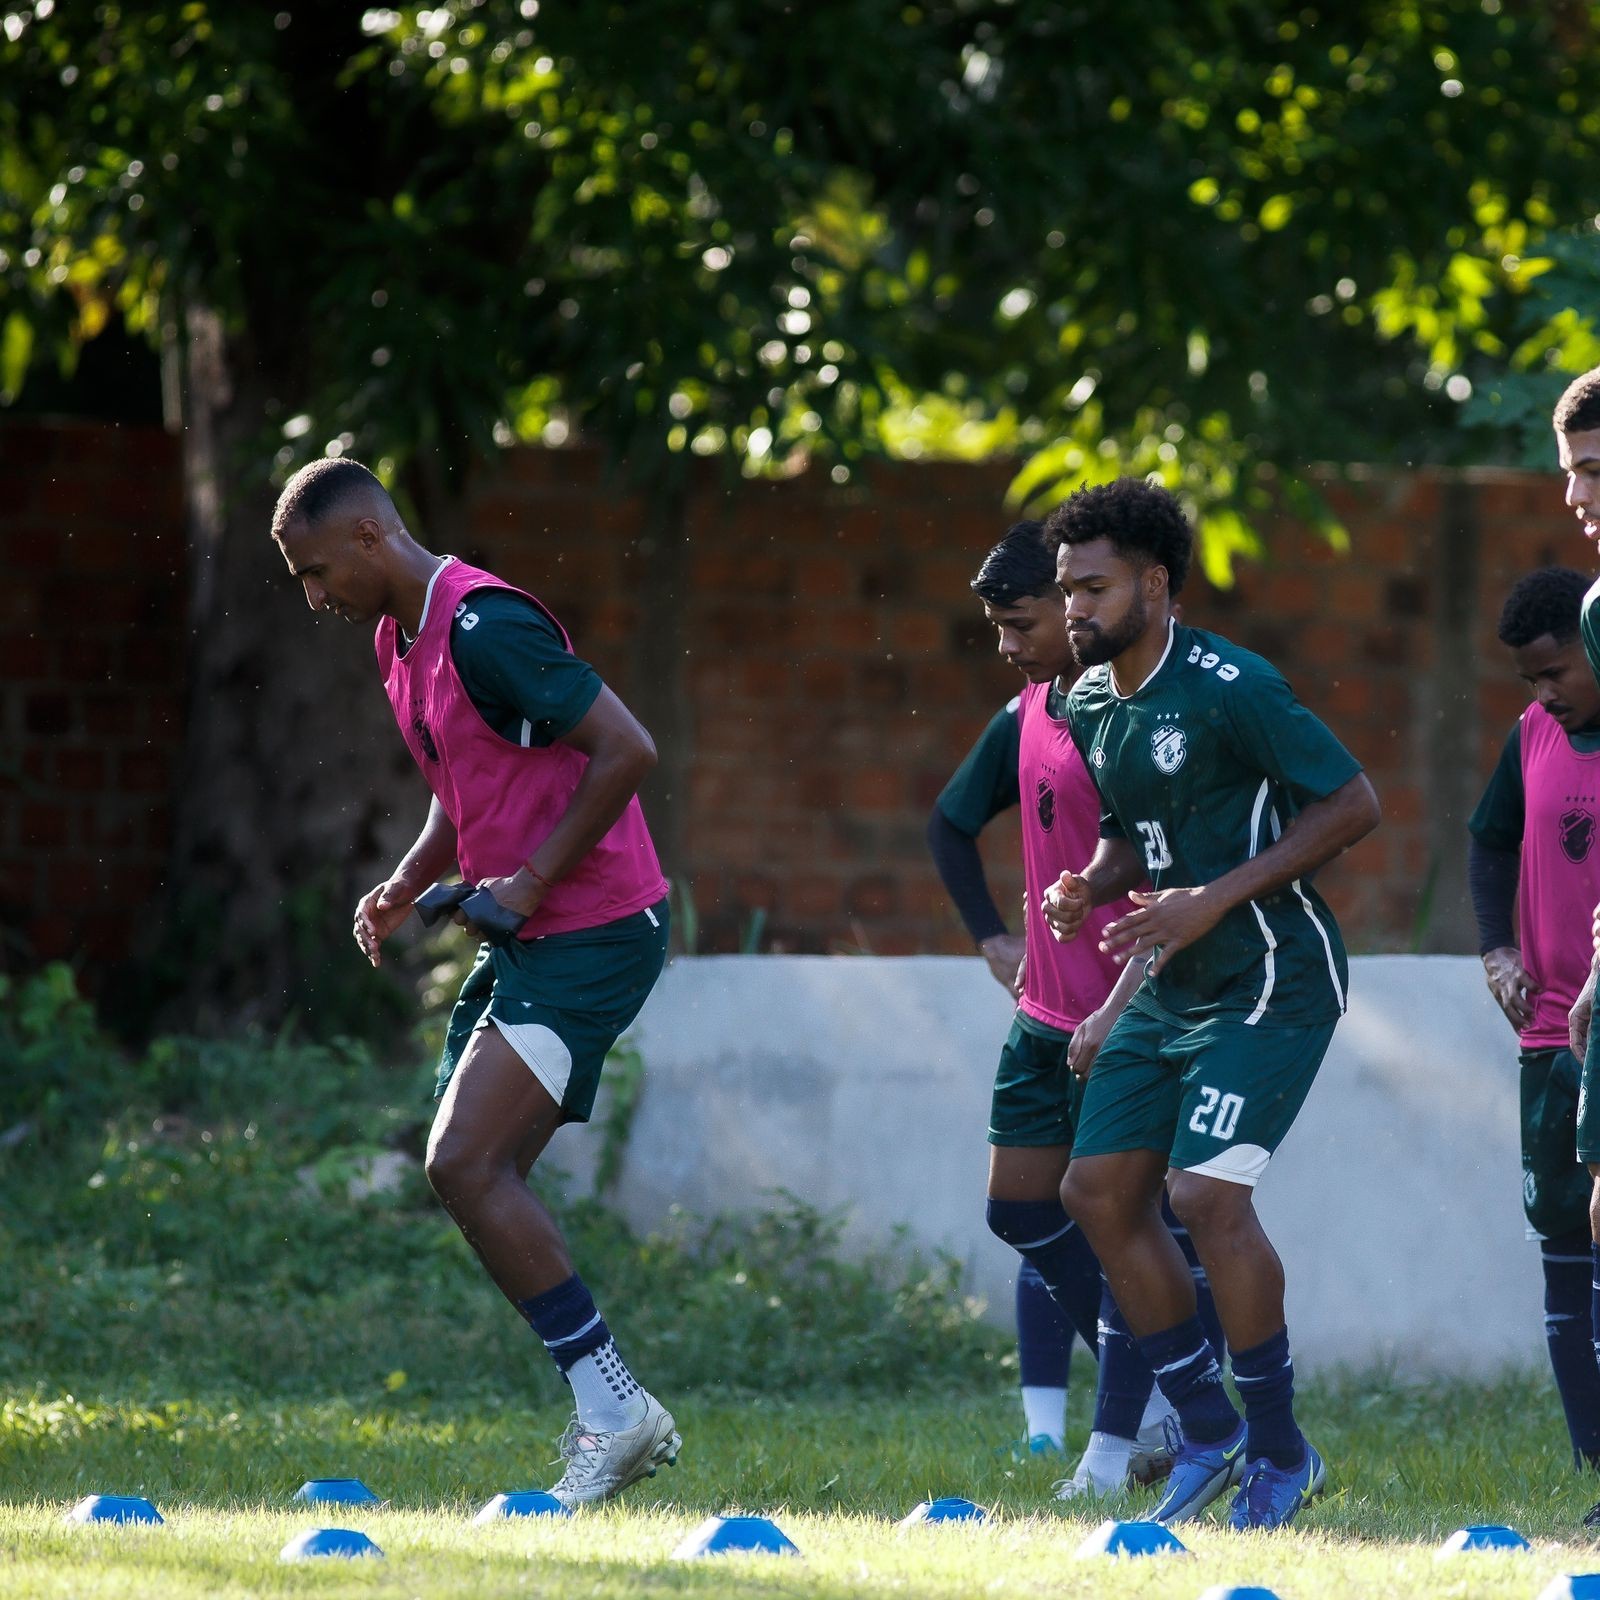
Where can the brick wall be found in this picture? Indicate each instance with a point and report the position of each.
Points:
(836, 669)
(91, 680)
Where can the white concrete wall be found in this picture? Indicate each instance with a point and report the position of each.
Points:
(863, 1083)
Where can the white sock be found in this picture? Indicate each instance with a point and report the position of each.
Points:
(1045, 1411)
(1105, 1461)
(1156, 1411)
(607, 1395)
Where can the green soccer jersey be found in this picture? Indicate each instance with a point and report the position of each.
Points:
(1589, 627)
(1202, 767)
(985, 784)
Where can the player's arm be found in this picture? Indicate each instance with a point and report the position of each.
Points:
(1116, 867)
(1091, 1033)
(384, 908)
(1493, 864)
(621, 753)
(984, 785)
(1172, 919)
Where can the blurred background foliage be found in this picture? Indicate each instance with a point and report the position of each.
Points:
(1206, 239)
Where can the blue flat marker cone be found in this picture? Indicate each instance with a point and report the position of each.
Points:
(1132, 1539)
(522, 1503)
(113, 1508)
(1231, 1591)
(336, 1491)
(721, 1536)
(1482, 1536)
(328, 1542)
(949, 1508)
(1572, 1586)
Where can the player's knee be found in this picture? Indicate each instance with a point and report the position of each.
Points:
(456, 1172)
(1207, 1205)
(1090, 1205)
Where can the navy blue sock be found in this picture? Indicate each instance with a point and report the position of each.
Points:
(1044, 1336)
(1125, 1376)
(1186, 1367)
(1041, 1232)
(1264, 1376)
(1568, 1263)
(1205, 1304)
(566, 1319)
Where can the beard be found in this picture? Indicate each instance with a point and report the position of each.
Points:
(1094, 645)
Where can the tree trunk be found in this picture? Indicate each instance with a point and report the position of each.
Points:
(296, 793)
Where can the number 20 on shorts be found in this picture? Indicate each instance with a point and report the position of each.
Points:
(1220, 1110)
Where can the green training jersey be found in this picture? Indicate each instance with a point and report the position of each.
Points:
(1589, 627)
(1202, 767)
(985, 784)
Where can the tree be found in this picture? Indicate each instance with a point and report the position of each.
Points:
(1191, 237)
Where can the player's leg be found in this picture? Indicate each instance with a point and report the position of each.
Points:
(1555, 1197)
(1242, 1089)
(1114, 1187)
(1044, 1362)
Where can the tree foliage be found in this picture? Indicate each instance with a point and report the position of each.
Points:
(1191, 237)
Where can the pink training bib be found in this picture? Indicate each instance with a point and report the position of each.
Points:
(505, 798)
(1559, 881)
(1062, 983)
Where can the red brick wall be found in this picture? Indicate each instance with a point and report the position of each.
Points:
(836, 670)
(91, 680)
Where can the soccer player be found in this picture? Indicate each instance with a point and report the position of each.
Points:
(1226, 793)
(533, 764)
(1065, 1005)
(1533, 855)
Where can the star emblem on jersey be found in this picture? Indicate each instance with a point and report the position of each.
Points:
(1168, 746)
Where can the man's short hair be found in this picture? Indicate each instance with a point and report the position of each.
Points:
(1141, 520)
(320, 487)
(1549, 601)
(1021, 566)
(1578, 409)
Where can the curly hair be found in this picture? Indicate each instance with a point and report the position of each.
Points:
(1021, 566)
(1141, 520)
(1578, 409)
(1547, 601)
(316, 489)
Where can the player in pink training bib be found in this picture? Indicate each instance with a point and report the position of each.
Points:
(533, 766)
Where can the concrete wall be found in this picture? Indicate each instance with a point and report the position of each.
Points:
(863, 1084)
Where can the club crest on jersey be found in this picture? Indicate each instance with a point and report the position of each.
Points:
(1577, 834)
(1168, 746)
(424, 737)
(1047, 805)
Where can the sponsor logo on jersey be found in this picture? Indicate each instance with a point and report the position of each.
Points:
(1099, 758)
(1577, 834)
(1168, 747)
(1047, 805)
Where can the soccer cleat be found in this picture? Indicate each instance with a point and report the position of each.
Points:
(1081, 1486)
(1200, 1472)
(601, 1465)
(1271, 1497)
(1038, 1444)
(1591, 1518)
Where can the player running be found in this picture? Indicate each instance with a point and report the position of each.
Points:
(1227, 793)
(533, 764)
(1065, 1006)
(1534, 857)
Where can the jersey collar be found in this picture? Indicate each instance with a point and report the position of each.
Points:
(409, 639)
(1111, 676)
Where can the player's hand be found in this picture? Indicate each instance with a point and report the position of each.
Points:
(1163, 921)
(379, 913)
(1510, 985)
(1594, 932)
(1006, 953)
(1066, 904)
(1578, 1017)
(1086, 1040)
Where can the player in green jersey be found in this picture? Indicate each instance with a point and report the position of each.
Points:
(1226, 793)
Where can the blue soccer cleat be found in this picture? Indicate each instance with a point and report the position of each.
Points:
(1272, 1497)
(1200, 1472)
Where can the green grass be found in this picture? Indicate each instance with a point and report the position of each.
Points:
(1407, 1466)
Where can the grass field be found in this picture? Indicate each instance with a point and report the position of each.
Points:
(1407, 1466)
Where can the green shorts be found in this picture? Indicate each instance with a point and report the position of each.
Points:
(1555, 1184)
(1035, 1097)
(561, 1001)
(1215, 1097)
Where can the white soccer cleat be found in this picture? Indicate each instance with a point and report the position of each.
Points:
(602, 1465)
